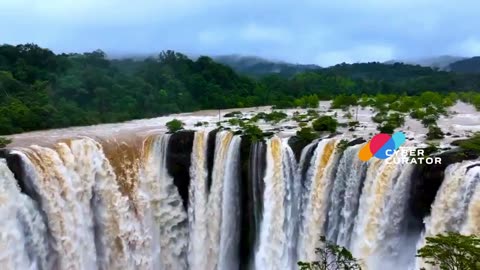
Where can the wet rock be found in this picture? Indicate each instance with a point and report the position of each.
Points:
(268, 134)
(251, 187)
(334, 134)
(212, 136)
(356, 141)
(297, 145)
(179, 160)
(233, 114)
(3, 153)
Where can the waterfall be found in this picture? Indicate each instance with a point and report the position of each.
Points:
(23, 238)
(456, 205)
(252, 201)
(273, 249)
(256, 179)
(77, 187)
(197, 206)
(397, 241)
(116, 203)
(379, 179)
(455, 193)
(230, 230)
(213, 215)
(472, 221)
(318, 183)
(348, 183)
(168, 219)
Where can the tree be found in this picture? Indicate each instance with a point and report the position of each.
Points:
(344, 101)
(4, 142)
(452, 251)
(434, 132)
(174, 125)
(325, 123)
(429, 120)
(310, 101)
(386, 127)
(331, 257)
(40, 89)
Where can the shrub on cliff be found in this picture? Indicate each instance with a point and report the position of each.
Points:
(4, 142)
(307, 134)
(325, 123)
(434, 133)
(386, 127)
(471, 144)
(174, 125)
(253, 131)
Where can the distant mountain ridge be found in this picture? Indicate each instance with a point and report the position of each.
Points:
(258, 67)
(469, 65)
(442, 62)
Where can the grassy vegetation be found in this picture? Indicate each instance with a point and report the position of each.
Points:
(471, 144)
(4, 142)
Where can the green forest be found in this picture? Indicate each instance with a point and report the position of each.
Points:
(41, 90)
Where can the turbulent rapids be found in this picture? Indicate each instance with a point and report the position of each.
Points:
(215, 200)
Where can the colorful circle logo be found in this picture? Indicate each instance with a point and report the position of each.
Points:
(382, 146)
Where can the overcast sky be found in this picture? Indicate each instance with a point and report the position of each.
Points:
(322, 32)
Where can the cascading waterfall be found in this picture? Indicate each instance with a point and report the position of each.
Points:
(257, 161)
(230, 229)
(23, 237)
(113, 204)
(396, 246)
(456, 205)
(213, 214)
(197, 211)
(65, 180)
(273, 249)
(472, 221)
(318, 183)
(380, 176)
(168, 219)
(348, 183)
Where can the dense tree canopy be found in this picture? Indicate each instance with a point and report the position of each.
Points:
(41, 90)
(452, 251)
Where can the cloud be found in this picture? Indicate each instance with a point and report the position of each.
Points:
(303, 31)
(365, 53)
(470, 46)
(259, 33)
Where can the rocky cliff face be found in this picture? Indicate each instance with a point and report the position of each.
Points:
(179, 160)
